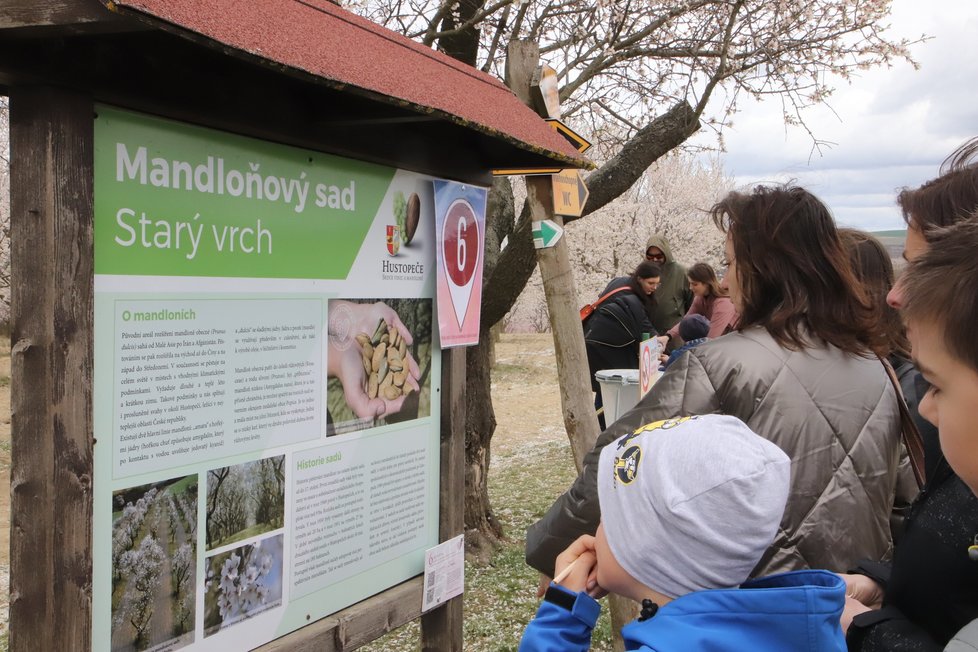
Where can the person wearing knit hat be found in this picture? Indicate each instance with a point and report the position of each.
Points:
(688, 507)
(693, 329)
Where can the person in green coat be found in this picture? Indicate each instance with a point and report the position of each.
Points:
(673, 297)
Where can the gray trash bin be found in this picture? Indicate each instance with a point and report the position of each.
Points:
(619, 391)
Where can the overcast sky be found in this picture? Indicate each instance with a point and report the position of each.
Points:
(892, 129)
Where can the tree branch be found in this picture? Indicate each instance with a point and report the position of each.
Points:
(500, 220)
(496, 37)
(515, 264)
(430, 36)
(663, 134)
(721, 71)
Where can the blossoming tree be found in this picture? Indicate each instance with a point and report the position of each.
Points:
(670, 198)
(638, 78)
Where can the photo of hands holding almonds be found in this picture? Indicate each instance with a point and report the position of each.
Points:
(378, 362)
(386, 361)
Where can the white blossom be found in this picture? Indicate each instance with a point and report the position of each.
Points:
(242, 584)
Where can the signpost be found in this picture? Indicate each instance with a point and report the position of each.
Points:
(580, 419)
(460, 221)
(570, 193)
(523, 172)
(553, 259)
(578, 141)
(546, 233)
(546, 99)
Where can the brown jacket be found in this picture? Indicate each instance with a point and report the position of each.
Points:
(834, 414)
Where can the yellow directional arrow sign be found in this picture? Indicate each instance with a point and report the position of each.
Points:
(574, 138)
(523, 172)
(546, 91)
(570, 193)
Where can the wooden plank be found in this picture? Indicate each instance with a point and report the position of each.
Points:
(441, 628)
(356, 625)
(51, 138)
(52, 13)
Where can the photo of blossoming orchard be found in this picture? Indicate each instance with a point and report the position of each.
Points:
(242, 583)
(244, 501)
(154, 534)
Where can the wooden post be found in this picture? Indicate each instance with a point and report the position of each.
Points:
(580, 420)
(441, 628)
(51, 143)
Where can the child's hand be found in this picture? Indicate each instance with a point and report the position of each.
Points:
(542, 585)
(576, 567)
(852, 609)
(864, 589)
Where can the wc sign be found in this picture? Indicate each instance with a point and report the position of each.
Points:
(460, 224)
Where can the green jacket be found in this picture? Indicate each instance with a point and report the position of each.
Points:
(673, 297)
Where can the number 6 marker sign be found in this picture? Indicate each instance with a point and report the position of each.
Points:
(459, 227)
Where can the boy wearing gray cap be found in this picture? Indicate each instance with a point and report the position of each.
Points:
(688, 507)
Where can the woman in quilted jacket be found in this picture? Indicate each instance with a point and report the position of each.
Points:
(801, 370)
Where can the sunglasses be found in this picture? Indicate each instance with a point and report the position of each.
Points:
(655, 257)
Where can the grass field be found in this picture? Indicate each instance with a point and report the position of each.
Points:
(893, 233)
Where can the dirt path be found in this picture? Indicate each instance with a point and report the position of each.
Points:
(161, 627)
(525, 394)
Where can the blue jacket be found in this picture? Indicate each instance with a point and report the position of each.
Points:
(678, 352)
(797, 611)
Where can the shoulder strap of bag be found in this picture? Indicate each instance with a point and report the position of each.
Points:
(604, 297)
(908, 429)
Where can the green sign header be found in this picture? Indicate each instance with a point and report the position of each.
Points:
(178, 200)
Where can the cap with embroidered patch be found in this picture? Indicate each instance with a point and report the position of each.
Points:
(692, 503)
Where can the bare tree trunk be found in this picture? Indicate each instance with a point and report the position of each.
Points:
(495, 335)
(506, 273)
(482, 529)
(463, 44)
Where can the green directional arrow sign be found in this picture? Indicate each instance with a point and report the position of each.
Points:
(546, 233)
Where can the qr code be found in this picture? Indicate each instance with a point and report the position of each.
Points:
(430, 595)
